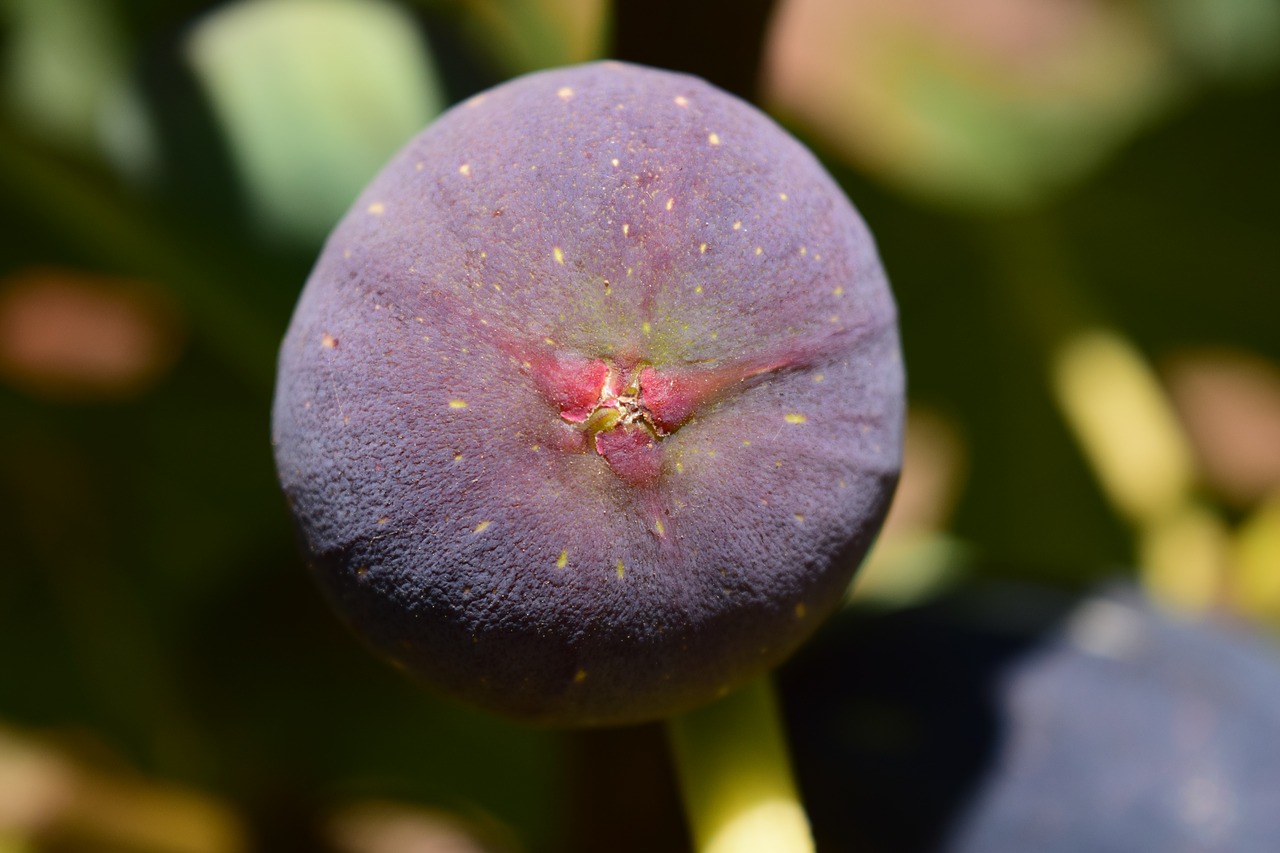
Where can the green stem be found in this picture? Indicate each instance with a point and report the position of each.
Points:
(735, 776)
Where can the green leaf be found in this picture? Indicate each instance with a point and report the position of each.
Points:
(65, 70)
(996, 106)
(525, 35)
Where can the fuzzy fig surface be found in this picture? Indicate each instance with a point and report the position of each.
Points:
(592, 403)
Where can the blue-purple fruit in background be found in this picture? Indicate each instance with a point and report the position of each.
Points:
(1006, 718)
(593, 401)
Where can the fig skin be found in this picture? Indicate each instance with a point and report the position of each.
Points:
(461, 424)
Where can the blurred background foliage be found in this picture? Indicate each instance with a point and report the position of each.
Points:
(1076, 202)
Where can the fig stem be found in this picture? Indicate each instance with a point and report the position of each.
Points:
(735, 776)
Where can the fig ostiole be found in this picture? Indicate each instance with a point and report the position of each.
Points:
(592, 402)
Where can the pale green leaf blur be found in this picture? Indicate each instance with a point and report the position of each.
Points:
(314, 95)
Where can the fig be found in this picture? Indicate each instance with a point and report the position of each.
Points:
(1010, 717)
(593, 400)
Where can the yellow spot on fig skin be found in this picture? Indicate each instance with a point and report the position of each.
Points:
(620, 569)
(418, 167)
(482, 527)
(671, 202)
(681, 101)
(714, 138)
(804, 250)
(497, 287)
(818, 377)
(465, 170)
(457, 404)
(535, 447)
(457, 457)
(746, 443)
(361, 571)
(383, 521)
(658, 527)
(549, 342)
(737, 226)
(698, 289)
(558, 254)
(346, 254)
(377, 208)
(614, 161)
(646, 328)
(777, 464)
(565, 93)
(679, 467)
(580, 676)
(328, 341)
(782, 196)
(801, 611)
(799, 518)
(702, 248)
(562, 560)
(839, 291)
(715, 335)
(626, 228)
(759, 250)
(795, 418)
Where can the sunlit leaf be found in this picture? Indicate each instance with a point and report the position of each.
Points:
(996, 102)
(1256, 588)
(524, 35)
(314, 95)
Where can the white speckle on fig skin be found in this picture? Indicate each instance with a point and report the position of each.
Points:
(503, 572)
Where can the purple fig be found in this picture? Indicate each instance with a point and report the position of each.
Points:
(593, 401)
